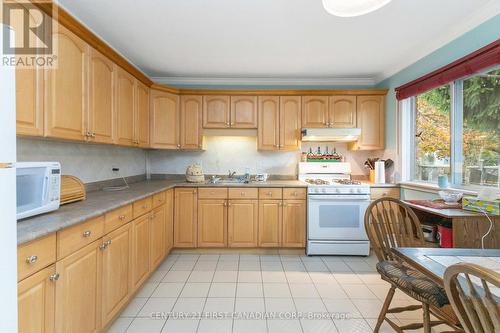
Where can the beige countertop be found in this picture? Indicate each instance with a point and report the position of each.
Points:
(101, 202)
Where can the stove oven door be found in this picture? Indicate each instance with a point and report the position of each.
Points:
(337, 217)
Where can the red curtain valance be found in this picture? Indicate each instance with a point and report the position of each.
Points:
(472, 63)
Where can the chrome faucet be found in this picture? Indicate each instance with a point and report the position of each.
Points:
(230, 174)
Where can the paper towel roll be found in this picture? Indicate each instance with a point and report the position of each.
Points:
(380, 172)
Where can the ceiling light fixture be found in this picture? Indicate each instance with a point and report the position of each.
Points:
(350, 8)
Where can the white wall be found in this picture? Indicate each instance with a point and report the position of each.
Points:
(240, 152)
(89, 162)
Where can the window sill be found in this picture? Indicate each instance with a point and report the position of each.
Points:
(433, 188)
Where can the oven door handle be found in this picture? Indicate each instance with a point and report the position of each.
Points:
(340, 197)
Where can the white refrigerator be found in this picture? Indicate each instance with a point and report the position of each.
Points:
(8, 231)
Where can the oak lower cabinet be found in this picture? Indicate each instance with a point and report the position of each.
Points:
(185, 217)
(157, 240)
(169, 220)
(371, 120)
(294, 223)
(116, 271)
(270, 223)
(140, 250)
(212, 223)
(164, 120)
(78, 291)
(36, 302)
(242, 224)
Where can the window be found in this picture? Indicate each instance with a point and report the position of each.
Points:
(455, 131)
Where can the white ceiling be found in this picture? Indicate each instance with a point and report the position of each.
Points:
(275, 41)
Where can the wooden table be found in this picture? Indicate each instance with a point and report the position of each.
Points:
(468, 227)
(434, 261)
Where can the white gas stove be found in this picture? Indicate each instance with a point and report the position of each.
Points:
(336, 206)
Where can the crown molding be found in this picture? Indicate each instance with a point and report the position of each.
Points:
(263, 81)
(484, 13)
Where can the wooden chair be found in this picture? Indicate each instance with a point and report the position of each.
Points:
(391, 223)
(468, 287)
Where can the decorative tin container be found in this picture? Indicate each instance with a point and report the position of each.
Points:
(477, 205)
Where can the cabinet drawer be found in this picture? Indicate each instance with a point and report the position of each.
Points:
(117, 218)
(377, 193)
(74, 238)
(270, 193)
(243, 193)
(212, 193)
(158, 199)
(35, 255)
(143, 206)
(295, 193)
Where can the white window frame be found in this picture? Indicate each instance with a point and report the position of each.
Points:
(407, 119)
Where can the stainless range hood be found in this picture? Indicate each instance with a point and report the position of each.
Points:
(331, 134)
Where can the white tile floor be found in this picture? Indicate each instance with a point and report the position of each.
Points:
(344, 293)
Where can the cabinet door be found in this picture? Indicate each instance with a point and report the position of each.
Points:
(191, 113)
(242, 223)
(185, 217)
(29, 88)
(342, 111)
(269, 123)
(125, 104)
(216, 111)
(212, 223)
(243, 111)
(116, 271)
(370, 118)
(314, 111)
(270, 223)
(141, 124)
(157, 242)
(29, 101)
(66, 89)
(140, 250)
(290, 122)
(169, 220)
(36, 302)
(165, 120)
(78, 291)
(294, 223)
(101, 98)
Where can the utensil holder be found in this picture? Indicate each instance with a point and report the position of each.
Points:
(371, 177)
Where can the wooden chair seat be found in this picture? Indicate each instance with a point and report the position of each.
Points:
(413, 283)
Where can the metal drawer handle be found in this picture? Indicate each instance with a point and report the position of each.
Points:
(103, 246)
(145, 207)
(108, 242)
(243, 193)
(31, 259)
(87, 233)
(269, 193)
(121, 217)
(54, 277)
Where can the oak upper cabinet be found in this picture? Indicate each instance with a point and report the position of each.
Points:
(294, 223)
(290, 122)
(141, 119)
(66, 88)
(269, 123)
(270, 223)
(157, 239)
(140, 250)
(216, 111)
(169, 220)
(243, 112)
(190, 128)
(370, 118)
(101, 115)
(78, 291)
(314, 111)
(36, 302)
(185, 217)
(116, 271)
(164, 120)
(212, 223)
(342, 112)
(125, 105)
(242, 224)
(29, 101)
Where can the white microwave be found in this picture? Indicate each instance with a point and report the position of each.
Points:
(38, 188)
